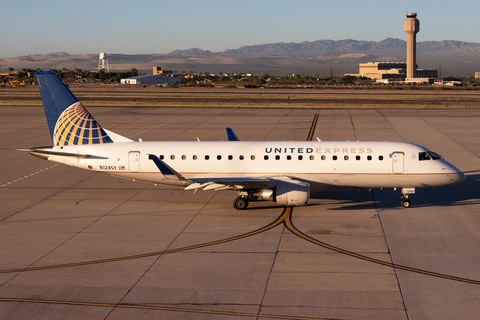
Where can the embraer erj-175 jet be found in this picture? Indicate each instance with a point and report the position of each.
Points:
(280, 171)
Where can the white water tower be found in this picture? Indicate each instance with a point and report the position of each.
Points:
(103, 62)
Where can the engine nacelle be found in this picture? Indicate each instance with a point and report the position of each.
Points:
(287, 194)
(292, 194)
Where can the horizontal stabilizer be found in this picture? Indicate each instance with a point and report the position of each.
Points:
(40, 152)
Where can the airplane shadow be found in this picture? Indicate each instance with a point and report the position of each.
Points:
(465, 193)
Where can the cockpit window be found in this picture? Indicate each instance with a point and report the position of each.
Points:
(424, 156)
(434, 155)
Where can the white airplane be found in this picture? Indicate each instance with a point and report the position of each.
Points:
(285, 172)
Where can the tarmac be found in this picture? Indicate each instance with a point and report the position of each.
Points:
(75, 244)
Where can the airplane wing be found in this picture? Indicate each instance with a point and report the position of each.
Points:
(231, 183)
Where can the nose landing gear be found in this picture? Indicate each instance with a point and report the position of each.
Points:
(406, 203)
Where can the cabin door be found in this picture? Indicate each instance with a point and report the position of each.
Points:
(134, 161)
(398, 162)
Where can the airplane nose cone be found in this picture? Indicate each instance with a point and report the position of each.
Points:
(461, 177)
(457, 175)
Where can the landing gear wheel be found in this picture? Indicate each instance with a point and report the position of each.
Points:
(240, 203)
(406, 203)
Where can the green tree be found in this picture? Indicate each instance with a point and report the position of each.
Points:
(79, 72)
(102, 74)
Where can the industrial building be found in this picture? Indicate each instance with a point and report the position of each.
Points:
(150, 79)
(158, 70)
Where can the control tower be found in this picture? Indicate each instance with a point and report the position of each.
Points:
(411, 26)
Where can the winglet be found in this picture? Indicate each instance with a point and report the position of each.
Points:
(231, 135)
(164, 168)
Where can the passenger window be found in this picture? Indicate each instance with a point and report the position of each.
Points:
(265, 157)
(195, 157)
(252, 157)
(312, 157)
(358, 157)
(172, 157)
(300, 157)
(346, 158)
(289, 157)
(380, 158)
(219, 157)
(369, 158)
(334, 157)
(241, 157)
(184, 157)
(207, 157)
(423, 156)
(230, 157)
(277, 157)
(162, 157)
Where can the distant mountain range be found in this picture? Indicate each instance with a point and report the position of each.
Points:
(456, 58)
(387, 47)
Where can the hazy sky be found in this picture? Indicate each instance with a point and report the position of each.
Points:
(162, 26)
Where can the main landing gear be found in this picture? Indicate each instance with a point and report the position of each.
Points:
(240, 203)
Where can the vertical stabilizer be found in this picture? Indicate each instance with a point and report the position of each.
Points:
(69, 122)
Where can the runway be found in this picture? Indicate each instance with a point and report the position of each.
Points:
(76, 244)
(261, 98)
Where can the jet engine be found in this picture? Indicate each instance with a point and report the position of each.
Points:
(287, 194)
(284, 193)
(292, 194)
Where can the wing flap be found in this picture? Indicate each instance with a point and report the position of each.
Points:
(217, 184)
(230, 180)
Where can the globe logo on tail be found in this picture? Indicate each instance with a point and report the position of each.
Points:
(76, 126)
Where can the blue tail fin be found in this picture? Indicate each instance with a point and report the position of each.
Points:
(69, 122)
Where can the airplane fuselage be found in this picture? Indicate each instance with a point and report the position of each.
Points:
(322, 164)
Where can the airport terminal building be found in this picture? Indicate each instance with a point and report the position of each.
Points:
(393, 71)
